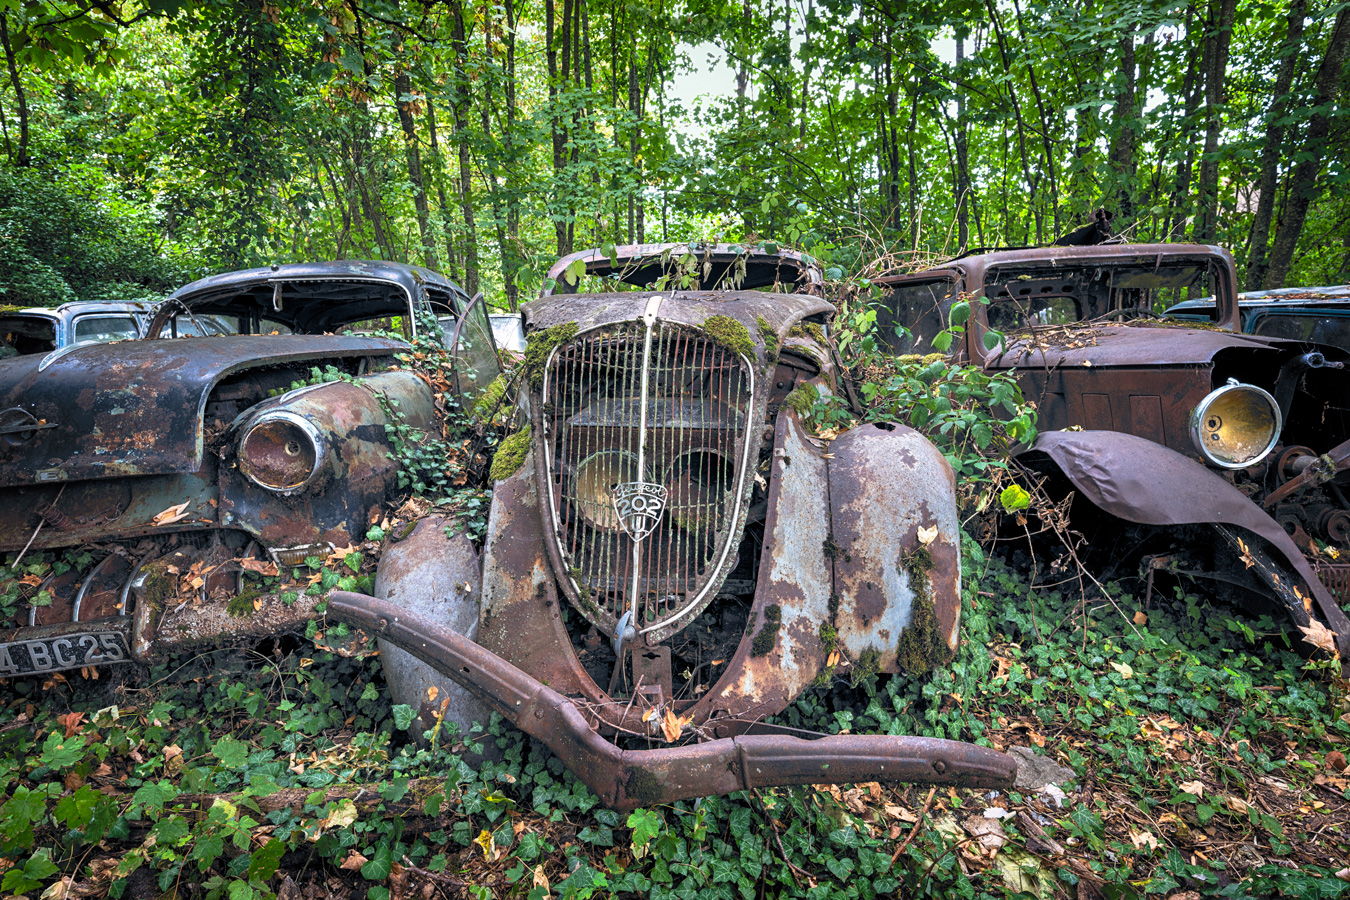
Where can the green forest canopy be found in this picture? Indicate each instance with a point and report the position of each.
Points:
(147, 143)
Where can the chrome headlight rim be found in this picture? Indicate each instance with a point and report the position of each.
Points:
(1204, 408)
(318, 445)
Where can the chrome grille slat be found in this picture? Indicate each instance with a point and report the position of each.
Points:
(698, 398)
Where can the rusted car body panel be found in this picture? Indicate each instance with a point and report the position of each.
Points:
(627, 779)
(772, 560)
(1078, 328)
(163, 469)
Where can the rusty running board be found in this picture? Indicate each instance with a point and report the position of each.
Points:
(627, 779)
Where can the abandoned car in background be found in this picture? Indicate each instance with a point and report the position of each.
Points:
(1158, 423)
(153, 472)
(672, 555)
(1317, 315)
(40, 330)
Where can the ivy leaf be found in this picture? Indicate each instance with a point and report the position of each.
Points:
(403, 716)
(264, 862)
(232, 753)
(646, 824)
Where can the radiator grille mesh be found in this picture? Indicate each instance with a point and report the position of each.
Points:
(698, 400)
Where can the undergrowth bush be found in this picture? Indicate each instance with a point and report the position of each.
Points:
(174, 788)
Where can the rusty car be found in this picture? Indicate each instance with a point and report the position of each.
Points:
(672, 556)
(1317, 315)
(151, 474)
(1225, 453)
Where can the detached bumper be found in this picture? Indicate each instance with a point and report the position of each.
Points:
(627, 779)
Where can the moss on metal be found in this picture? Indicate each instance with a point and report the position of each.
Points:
(868, 665)
(540, 345)
(241, 605)
(510, 454)
(768, 635)
(491, 398)
(770, 338)
(921, 647)
(829, 638)
(803, 399)
(729, 333)
(808, 330)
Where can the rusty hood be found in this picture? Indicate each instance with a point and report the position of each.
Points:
(692, 308)
(1109, 344)
(134, 407)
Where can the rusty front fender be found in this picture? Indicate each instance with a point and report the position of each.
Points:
(627, 779)
(1137, 480)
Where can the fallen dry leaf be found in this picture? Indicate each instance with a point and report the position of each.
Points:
(928, 535)
(172, 514)
(987, 832)
(1238, 805)
(1319, 635)
(261, 566)
(353, 862)
(1193, 787)
(1143, 840)
(673, 726)
(1140, 617)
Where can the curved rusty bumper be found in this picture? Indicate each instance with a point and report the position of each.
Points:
(627, 779)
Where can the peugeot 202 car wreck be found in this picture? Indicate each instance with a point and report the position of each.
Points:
(138, 480)
(671, 556)
(1230, 449)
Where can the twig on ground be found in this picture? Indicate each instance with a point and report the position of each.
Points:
(927, 805)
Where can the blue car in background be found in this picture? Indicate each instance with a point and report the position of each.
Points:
(42, 330)
(1317, 315)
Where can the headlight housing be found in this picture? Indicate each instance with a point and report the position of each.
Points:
(281, 451)
(1236, 425)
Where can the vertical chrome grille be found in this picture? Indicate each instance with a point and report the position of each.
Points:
(697, 405)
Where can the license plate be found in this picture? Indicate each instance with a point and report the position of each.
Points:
(70, 651)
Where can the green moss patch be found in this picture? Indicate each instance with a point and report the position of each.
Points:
(241, 605)
(510, 454)
(803, 399)
(768, 635)
(540, 345)
(731, 334)
(488, 401)
(921, 647)
(829, 638)
(867, 666)
(808, 330)
(770, 339)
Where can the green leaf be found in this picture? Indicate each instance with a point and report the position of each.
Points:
(403, 716)
(377, 868)
(1014, 497)
(36, 870)
(264, 862)
(232, 753)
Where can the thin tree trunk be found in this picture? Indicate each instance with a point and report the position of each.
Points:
(1273, 149)
(962, 157)
(1190, 90)
(460, 88)
(1304, 186)
(1021, 124)
(1122, 161)
(21, 158)
(1045, 119)
(1217, 40)
(442, 204)
(402, 90)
